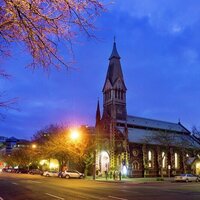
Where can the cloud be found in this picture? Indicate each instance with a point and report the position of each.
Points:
(171, 16)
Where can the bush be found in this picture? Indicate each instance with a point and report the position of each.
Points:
(160, 179)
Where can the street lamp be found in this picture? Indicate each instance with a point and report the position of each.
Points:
(74, 134)
(34, 146)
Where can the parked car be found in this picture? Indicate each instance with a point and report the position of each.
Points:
(36, 171)
(22, 171)
(9, 170)
(50, 173)
(187, 178)
(72, 174)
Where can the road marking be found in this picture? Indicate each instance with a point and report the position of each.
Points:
(14, 183)
(35, 181)
(1, 198)
(51, 195)
(117, 198)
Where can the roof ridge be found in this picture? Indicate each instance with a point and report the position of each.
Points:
(153, 119)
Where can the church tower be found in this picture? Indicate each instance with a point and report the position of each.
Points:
(114, 89)
(114, 104)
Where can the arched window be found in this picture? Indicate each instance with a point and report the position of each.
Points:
(115, 93)
(118, 96)
(135, 165)
(149, 158)
(163, 160)
(176, 163)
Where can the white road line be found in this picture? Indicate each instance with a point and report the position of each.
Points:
(14, 183)
(1, 198)
(117, 198)
(35, 181)
(51, 195)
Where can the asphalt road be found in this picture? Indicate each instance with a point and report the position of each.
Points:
(35, 187)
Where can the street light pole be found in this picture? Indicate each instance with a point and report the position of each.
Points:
(94, 165)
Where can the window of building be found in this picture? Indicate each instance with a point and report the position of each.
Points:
(176, 160)
(135, 165)
(149, 158)
(118, 94)
(163, 160)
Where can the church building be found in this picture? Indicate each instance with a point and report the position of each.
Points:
(137, 146)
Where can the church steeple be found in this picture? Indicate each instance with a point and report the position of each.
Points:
(114, 90)
(98, 114)
(114, 69)
(114, 53)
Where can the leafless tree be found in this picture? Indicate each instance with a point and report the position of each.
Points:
(40, 26)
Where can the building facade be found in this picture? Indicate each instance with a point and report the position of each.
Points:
(136, 146)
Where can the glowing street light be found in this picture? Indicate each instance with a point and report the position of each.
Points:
(74, 134)
(34, 146)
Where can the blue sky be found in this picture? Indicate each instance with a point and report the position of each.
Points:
(159, 45)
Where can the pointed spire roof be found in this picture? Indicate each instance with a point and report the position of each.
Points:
(98, 114)
(114, 53)
(114, 69)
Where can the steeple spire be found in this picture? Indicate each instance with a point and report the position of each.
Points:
(114, 69)
(98, 114)
(114, 53)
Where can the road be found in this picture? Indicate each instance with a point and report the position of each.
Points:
(35, 187)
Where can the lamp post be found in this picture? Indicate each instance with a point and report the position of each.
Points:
(94, 165)
(74, 137)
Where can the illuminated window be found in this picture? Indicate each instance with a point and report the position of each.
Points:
(149, 158)
(176, 160)
(163, 160)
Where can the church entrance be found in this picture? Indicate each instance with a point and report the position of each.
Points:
(198, 168)
(104, 162)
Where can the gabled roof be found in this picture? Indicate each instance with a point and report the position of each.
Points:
(140, 129)
(157, 124)
(141, 136)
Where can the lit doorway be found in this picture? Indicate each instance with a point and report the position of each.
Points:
(104, 161)
(198, 168)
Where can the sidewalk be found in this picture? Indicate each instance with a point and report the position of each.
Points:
(134, 180)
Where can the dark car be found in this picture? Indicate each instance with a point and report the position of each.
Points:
(36, 171)
(22, 171)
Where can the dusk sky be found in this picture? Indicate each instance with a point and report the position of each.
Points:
(159, 45)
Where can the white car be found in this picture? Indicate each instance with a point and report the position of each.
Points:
(50, 173)
(187, 178)
(72, 174)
